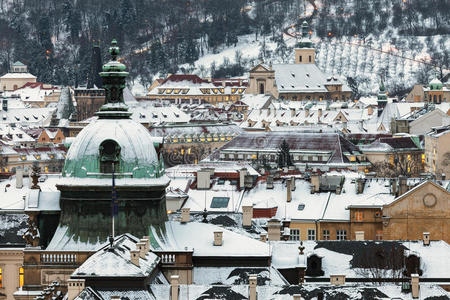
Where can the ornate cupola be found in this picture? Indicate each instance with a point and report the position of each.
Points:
(304, 51)
(382, 98)
(116, 146)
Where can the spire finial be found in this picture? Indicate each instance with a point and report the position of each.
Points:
(114, 50)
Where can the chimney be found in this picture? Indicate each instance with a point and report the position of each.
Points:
(274, 229)
(185, 214)
(370, 110)
(134, 257)
(415, 288)
(141, 247)
(115, 297)
(360, 185)
(247, 215)
(315, 183)
(288, 190)
(306, 112)
(242, 173)
(319, 114)
(359, 235)
(269, 182)
(402, 185)
(426, 239)
(286, 233)
(245, 115)
(297, 297)
(394, 186)
(146, 241)
(174, 287)
(203, 179)
(19, 177)
(74, 288)
(293, 183)
(5, 104)
(263, 237)
(253, 280)
(337, 279)
(218, 238)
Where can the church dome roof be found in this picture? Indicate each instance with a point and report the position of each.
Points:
(136, 154)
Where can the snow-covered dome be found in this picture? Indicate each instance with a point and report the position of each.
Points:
(124, 141)
(435, 84)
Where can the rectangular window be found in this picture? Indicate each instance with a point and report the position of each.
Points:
(311, 234)
(325, 235)
(20, 277)
(300, 58)
(310, 59)
(295, 235)
(341, 235)
(359, 216)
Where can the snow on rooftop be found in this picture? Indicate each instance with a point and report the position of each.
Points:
(200, 238)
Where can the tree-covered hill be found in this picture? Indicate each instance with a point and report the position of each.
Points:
(54, 37)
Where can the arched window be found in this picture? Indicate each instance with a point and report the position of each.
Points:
(261, 88)
(109, 155)
(434, 99)
(20, 277)
(440, 99)
(15, 87)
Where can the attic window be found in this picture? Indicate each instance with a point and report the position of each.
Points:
(301, 206)
(293, 75)
(307, 85)
(307, 74)
(109, 155)
(292, 86)
(220, 202)
(35, 117)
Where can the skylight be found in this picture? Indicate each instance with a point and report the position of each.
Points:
(301, 206)
(220, 202)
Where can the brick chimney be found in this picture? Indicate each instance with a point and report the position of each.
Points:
(242, 173)
(274, 229)
(315, 183)
(426, 239)
(293, 183)
(141, 247)
(247, 215)
(306, 112)
(245, 115)
(74, 288)
(319, 114)
(370, 110)
(115, 297)
(415, 286)
(297, 297)
(203, 179)
(253, 280)
(292, 112)
(185, 214)
(174, 287)
(394, 186)
(360, 185)
(146, 241)
(19, 177)
(288, 190)
(269, 182)
(134, 257)
(218, 238)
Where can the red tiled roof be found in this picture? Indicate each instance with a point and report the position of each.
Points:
(34, 85)
(184, 77)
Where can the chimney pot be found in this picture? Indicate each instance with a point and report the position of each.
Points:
(19, 177)
(274, 229)
(288, 190)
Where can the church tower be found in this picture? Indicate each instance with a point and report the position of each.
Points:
(304, 51)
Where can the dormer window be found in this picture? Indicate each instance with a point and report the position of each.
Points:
(109, 154)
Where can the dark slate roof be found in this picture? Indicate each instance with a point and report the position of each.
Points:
(297, 141)
(12, 227)
(90, 293)
(368, 254)
(399, 142)
(332, 292)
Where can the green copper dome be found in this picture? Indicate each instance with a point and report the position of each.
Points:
(435, 84)
(114, 142)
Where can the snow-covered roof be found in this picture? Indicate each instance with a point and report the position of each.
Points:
(299, 78)
(199, 237)
(15, 75)
(116, 261)
(38, 117)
